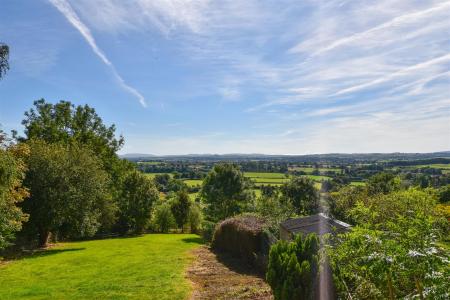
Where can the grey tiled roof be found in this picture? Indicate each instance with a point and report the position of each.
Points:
(319, 224)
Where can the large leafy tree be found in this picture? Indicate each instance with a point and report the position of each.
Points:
(4, 56)
(66, 123)
(302, 194)
(180, 208)
(12, 192)
(225, 192)
(135, 203)
(383, 183)
(68, 191)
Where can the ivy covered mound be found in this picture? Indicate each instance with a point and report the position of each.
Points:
(240, 236)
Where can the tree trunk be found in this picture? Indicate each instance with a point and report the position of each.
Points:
(390, 287)
(44, 237)
(419, 288)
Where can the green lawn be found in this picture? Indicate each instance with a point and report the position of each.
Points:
(146, 267)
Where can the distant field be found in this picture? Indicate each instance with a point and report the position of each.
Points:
(152, 175)
(146, 267)
(261, 178)
(277, 179)
(193, 182)
(310, 169)
(264, 175)
(356, 183)
(317, 177)
(149, 163)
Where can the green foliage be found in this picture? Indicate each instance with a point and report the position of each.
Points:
(342, 202)
(393, 252)
(274, 209)
(180, 208)
(135, 204)
(301, 193)
(294, 268)
(195, 218)
(145, 267)
(4, 55)
(444, 194)
(12, 192)
(162, 180)
(163, 219)
(208, 228)
(64, 122)
(176, 185)
(383, 183)
(225, 192)
(68, 190)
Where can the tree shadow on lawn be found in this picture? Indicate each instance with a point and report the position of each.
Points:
(194, 240)
(30, 254)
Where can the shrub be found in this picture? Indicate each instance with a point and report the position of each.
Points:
(240, 236)
(137, 197)
(293, 268)
(195, 218)
(180, 208)
(208, 230)
(163, 219)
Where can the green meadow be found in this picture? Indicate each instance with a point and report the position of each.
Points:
(146, 267)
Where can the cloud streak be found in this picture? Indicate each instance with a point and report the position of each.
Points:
(344, 71)
(66, 9)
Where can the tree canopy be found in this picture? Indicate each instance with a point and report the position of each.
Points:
(225, 192)
(68, 190)
(135, 203)
(12, 192)
(64, 122)
(4, 56)
(302, 194)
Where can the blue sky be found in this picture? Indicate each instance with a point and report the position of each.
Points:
(275, 77)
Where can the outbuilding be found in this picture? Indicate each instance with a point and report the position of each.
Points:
(319, 224)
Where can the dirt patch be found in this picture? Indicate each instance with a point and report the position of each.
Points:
(219, 276)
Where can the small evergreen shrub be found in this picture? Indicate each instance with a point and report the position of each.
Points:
(293, 268)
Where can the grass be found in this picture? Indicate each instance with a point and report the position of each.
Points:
(146, 267)
(356, 183)
(193, 196)
(317, 177)
(152, 175)
(264, 175)
(310, 169)
(269, 180)
(193, 182)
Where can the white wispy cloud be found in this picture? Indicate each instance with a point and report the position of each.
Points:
(344, 71)
(66, 9)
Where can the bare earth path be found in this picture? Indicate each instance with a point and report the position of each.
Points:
(223, 277)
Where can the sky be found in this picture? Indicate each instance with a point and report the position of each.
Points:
(231, 76)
